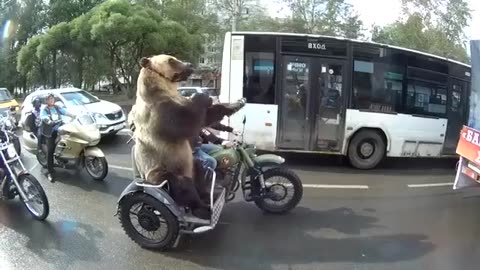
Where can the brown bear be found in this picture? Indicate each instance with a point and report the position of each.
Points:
(165, 121)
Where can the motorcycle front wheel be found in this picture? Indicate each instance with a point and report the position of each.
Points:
(280, 197)
(16, 144)
(97, 167)
(36, 201)
(143, 218)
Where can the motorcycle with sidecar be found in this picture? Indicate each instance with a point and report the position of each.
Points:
(145, 210)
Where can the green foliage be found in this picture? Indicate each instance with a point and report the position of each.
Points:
(430, 29)
(326, 17)
(103, 43)
(82, 42)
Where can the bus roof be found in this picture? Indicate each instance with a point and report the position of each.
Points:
(347, 39)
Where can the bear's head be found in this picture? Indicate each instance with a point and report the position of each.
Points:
(168, 67)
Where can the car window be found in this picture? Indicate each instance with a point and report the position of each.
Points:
(5, 95)
(186, 92)
(79, 98)
(211, 91)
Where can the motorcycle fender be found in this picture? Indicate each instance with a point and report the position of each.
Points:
(269, 160)
(94, 152)
(159, 194)
(29, 142)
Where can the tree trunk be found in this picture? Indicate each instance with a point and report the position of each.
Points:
(113, 74)
(80, 72)
(24, 85)
(54, 72)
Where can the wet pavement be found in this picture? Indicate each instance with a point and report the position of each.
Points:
(402, 216)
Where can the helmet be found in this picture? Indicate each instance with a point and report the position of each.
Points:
(36, 102)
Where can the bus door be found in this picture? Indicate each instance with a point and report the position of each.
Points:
(456, 114)
(311, 106)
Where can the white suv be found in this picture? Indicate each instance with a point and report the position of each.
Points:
(109, 116)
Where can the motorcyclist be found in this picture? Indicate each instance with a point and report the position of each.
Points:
(51, 114)
(37, 104)
(207, 142)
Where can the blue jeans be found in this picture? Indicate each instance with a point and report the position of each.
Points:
(200, 153)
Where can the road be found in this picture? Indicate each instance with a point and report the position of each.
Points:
(402, 216)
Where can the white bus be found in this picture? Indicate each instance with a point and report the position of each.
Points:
(310, 93)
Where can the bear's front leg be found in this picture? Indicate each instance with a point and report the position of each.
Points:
(216, 112)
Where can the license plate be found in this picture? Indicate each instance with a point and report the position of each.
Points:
(118, 127)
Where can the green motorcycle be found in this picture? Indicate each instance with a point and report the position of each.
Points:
(257, 175)
(152, 218)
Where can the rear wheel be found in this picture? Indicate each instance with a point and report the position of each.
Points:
(282, 196)
(36, 201)
(143, 218)
(366, 150)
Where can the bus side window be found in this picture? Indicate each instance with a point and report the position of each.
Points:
(378, 86)
(427, 87)
(259, 79)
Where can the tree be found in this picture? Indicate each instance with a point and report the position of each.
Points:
(450, 16)
(429, 29)
(107, 41)
(26, 19)
(235, 11)
(326, 17)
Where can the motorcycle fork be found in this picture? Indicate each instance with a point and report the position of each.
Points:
(256, 183)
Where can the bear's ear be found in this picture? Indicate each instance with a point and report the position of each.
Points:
(145, 62)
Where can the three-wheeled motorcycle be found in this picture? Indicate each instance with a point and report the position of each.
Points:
(152, 219)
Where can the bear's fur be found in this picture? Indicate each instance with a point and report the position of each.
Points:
(165, 121)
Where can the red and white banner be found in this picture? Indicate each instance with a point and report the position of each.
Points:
(469, 144)
(468, 148)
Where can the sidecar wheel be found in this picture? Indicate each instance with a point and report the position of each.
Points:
(148, 221)
(278, 192)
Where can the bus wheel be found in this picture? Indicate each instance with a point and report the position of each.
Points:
(366, 149)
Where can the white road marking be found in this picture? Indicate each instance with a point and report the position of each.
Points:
(336, 186)
(304, 185)
(430, 185)
(120, 167)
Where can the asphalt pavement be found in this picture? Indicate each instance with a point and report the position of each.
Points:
(403, 215)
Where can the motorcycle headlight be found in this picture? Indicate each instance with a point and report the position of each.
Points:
(11, 152)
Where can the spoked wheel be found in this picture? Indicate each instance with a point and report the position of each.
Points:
(284, 191)
(97, 167)
(148, 222)
(36, 202)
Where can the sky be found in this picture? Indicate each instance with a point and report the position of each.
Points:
(389, 13)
